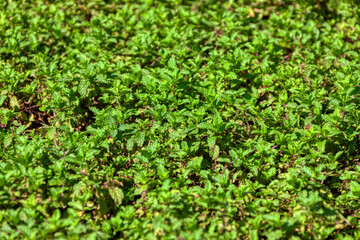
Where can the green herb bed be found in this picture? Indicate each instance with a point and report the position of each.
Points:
(179, 119)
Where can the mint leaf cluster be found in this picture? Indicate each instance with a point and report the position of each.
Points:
(179, 119)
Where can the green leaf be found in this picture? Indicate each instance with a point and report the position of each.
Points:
(215, 151)
(130, 144)
(153, 146)
(76, 205)
(211, 141)
(83, 86)
(20, 129)
(355, 188)
(195, 163)
(3, 97)
(172, 63)
(116, 194)
(140, 139)
(14, 103)
(309, 198)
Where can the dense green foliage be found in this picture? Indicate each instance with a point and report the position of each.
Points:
(179, 119)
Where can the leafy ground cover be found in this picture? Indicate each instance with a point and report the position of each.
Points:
(179, 119)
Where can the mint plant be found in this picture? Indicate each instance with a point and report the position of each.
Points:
(179, 119)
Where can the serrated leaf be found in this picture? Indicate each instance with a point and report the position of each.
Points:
(172, 63)
(153, 146)
(231, 76)
(309, 171)
(20, 129)
(140, 139)
(205, 125)
(215, 151)
(211, 141)
(76, 205)
(217, 119)
(274, 217)
(7, 140)
(14, 103)
(130, 144)
(355, 187)
(195, 163)
(3, 97)
(82, 88)
(116, 194)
